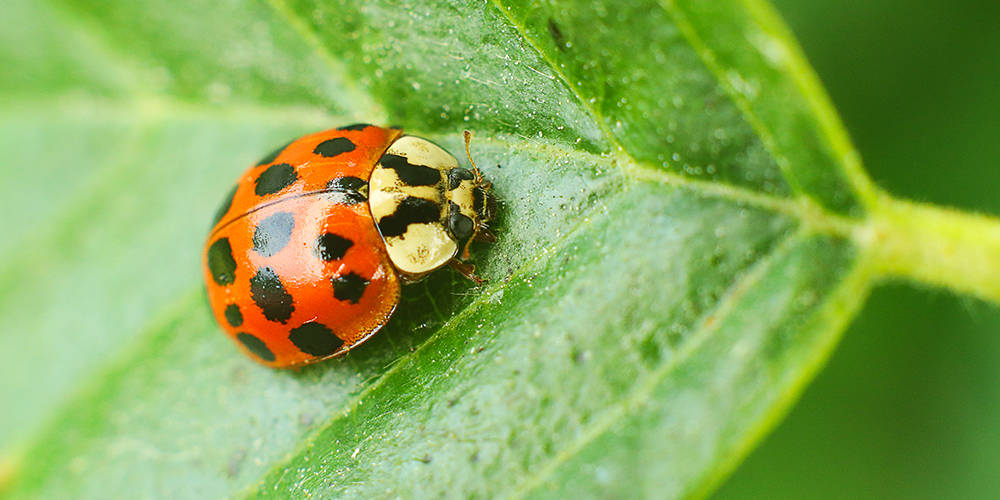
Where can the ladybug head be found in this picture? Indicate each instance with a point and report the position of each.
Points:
(482, 193)
(472, 205)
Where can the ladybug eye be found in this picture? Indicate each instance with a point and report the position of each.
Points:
(456, 176)
(461, 226)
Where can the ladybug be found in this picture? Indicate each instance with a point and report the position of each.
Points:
(308, 253)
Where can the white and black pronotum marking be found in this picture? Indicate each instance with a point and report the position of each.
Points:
(424, 205)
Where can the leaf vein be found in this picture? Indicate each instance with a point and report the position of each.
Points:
(597, 116)
(805, 209)
(79, 22)
(838, 310)
(372, 111)
(805, 79)
(711, 321)
(709, 60)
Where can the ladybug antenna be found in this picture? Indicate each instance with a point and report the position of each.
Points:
(475, 169)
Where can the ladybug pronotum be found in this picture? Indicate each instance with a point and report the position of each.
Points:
(307, 255)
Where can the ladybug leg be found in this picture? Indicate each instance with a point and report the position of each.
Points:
(467, 270)
(484, 234)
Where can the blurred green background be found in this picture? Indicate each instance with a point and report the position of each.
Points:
(909, 404)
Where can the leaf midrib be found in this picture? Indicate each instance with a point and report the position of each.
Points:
(804, 209)
(150, 111)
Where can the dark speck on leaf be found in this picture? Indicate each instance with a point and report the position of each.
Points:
(306, 419)
(235, 463)
(557, 35)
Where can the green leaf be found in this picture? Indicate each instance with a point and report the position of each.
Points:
(684, 232)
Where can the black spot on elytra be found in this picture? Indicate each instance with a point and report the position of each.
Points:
(333, 147)
(557, 35)
(456, 176)
(273, 233)
(410, 174)
(347, 184)
(349, 287)
(275, 178)
(315, 339)
(256, 346)
(460, 225)
(273, 155)
(349, 190)
(225, 206)
(270, 295)
(221, 263)
(332, 246)
(410, 211)
(355, 126)
(233, 315)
